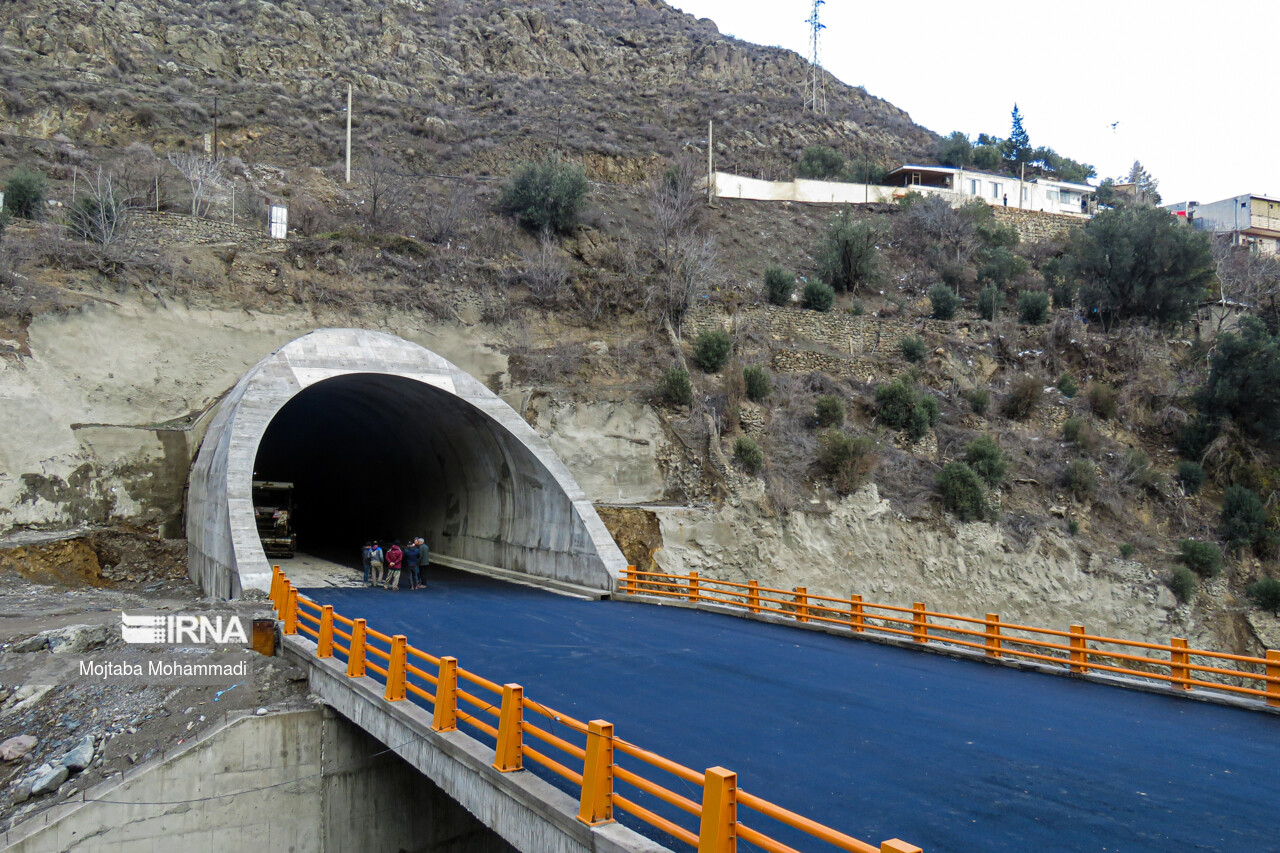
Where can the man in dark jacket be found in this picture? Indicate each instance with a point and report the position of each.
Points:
(424, 559)
(394, 559)
(411, 557)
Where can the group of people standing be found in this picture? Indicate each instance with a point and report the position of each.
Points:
(382, 567)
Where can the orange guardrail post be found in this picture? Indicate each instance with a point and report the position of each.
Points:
(355, 660)
(753, 596)
(718, 832)
(275, 588)
(1273, 671)
(802, 603)
(1178, 664)
(1079, 650)
(919, 627)
(897, 845)
(856, 616)
(694, 592)
(291, 610)
(596, 805)
(444, 718)
(396, 668)
(629, 581)
(324, 648)
(993, 636)
(509, 755)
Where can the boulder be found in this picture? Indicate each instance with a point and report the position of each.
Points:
(31, 644)
(16, 747)
(77, 638)
(22, 790)
(46, 779)
(80, 757)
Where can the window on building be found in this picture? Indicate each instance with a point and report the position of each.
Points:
(996, 189)
(915, 179)
(975, 187)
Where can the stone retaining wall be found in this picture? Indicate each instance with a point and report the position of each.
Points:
(166, 229)
(1034, 225)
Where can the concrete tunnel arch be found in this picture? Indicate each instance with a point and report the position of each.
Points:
(492, 492)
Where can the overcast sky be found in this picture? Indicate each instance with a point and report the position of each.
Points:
(1187, 80)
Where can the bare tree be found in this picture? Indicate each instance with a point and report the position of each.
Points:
(203, 174)
(385, 192)
(1246, 280)
(545, 272)
(674, 202)
(103, 215)
(693, 264)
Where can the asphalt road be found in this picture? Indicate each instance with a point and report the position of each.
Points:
(872, 740)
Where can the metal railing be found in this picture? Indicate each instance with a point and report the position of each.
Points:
(589, 757)
(1075, 650)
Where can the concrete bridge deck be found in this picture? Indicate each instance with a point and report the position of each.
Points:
(872, 740)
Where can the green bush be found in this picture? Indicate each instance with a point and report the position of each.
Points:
(546, 196)
(778, 286)
(979, 399)
(1243, 517)
(24, 194)
(1033, 307)
(986, 459)
(711, 350)
(1067, 386)
(1196, 436)
(943, 301)
(1102, 400)
(820, 163)
(1023, 398)
(675, 388)
(1191, 476)
(849, 255)
(1182, 582)
(4, 222)
(1126, 550)
(1203, 558)
(904, 407)
(1265, 594)
(962, 492)
(848, 460)
(1080, 432)
(1244, 382)
(1000, 266)
(1080, 478)
(912, 349)
(990, 301)
(817, 296)
(857, 309)
(829, 410)
(757, 381)
(1073, 527)
(748, 454)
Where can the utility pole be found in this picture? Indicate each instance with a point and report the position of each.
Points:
(1022, 185)
(348, 133)
(711, 163)
(215, 128)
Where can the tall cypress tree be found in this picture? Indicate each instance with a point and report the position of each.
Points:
(1017, 148)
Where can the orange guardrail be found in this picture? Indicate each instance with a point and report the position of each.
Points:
(586, 754)
(1075, 650)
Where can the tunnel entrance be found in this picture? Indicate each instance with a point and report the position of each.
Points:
(383, 439)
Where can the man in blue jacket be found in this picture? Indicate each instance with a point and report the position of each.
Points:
(412, 556)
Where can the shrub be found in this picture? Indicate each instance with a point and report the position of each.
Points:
(1182, 582)
(1196, 436)
(546, 196)
(757, 382)
(1203, 558)
(778, 285)
(711, 350)
(1067, 386)
(1000, 266)
(829, 410)
(24, 194)
(817, 296)
(1023, 397)
(849, 256)
(912, 349)
(748, 454)
(1033, 307)
(979, 399)
(820, 162)
(674, 387)
(1243, 518)
(1137, 469)
(986, 459)
(1265, 594)
(990, 301)
(1138, 261)
(903, 406)
(1080, 432)
(1080, 478)
(1244, 381)
(943, 301)
(1126, 550)
(847, 459)
(1073, 527)
(4, 222)
(857, 309)
(1102, 400)
(962, 492)
(1191, 476)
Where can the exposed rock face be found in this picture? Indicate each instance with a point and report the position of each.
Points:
(618, 77)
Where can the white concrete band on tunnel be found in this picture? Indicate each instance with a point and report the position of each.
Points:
(506, 498)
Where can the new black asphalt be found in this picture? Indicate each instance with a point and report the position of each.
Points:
(875, 741)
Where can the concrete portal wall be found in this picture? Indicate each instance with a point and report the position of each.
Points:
(512, 503)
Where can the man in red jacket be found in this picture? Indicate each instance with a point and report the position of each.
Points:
(394, 558)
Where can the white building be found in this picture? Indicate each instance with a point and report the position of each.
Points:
(1041, 194)
(1250, 220)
